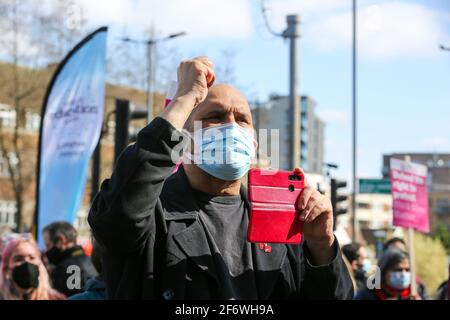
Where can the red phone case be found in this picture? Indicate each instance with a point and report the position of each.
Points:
(273, 215)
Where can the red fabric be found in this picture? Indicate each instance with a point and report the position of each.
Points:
(87, 248)
(388, 292)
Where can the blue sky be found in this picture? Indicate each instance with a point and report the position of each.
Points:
(404, 79)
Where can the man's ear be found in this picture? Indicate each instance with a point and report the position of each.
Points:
(354, 264)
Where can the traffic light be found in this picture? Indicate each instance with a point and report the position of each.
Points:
(122, 136)
(337, 199)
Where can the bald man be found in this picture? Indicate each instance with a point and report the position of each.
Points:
(182, 235)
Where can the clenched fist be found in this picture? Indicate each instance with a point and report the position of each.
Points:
(194, 78)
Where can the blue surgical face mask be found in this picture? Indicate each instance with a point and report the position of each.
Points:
(399, 280)
(366, 265)
(224, 151)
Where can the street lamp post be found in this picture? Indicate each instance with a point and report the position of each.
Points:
(151, 50)
(293, 33)
(354, 122)
(151, 46)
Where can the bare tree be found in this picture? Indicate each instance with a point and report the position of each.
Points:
(226, 67)
(26, 47)
(127, 63)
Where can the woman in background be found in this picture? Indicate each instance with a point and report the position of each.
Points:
(22, 273)
(395, 281)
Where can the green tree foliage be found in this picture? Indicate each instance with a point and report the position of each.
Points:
(431, 261)
(442, 232)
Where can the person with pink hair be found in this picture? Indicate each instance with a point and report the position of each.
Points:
(23, 275)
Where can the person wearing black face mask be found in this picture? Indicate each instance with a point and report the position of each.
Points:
(22, 273)
(356, 255)
(68, 260)
(26, 276)
(95, 288)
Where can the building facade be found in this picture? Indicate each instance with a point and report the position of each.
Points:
(275, 114)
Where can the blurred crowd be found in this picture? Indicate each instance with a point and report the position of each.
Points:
(66, 270)
(390, 278)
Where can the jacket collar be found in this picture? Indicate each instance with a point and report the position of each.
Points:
(195, 243)
(178, 198)
(71, 252)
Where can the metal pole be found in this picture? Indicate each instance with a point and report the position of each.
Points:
(150, 81)
(411, 251)
(151, 68)
(121, 137)
(293, 33)
(96, 170)
(256, 127)
(354, 220)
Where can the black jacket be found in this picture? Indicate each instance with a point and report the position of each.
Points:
(154, 246)
(360, 280)
(63, 271)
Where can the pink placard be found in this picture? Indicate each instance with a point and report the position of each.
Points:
(409, 195)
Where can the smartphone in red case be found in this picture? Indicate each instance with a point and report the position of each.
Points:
(273, 196)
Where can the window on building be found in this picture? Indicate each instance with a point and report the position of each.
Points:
(304, 105)
(363, 205)
(304, 162)
(8, 211)
(304, 136)
(4, 172)
(304, 149)
(7, 116)
(81, 223)
(4, 169)
(429, 178)
(442, 206)
(33, 121)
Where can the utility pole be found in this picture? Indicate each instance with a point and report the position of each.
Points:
(121, 135)
(124, 113)
(354, 219)
(293, 33)
(95, 176)
(96, 159)
(151, 52)
(151, 46)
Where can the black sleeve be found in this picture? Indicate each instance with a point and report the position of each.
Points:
(59, 280)
(330, 281)
(63, 276)
(122, 212)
